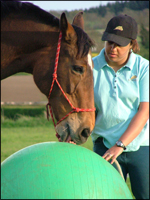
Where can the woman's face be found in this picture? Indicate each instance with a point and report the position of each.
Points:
(116, 54)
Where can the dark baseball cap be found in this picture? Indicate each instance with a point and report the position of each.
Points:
(121, 29)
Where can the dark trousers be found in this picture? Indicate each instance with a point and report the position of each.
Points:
(134, 163)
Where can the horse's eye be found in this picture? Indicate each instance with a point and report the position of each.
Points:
(78, 69)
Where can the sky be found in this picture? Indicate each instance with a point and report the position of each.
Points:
(68, 5)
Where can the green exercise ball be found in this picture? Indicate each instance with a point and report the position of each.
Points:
(58, 170)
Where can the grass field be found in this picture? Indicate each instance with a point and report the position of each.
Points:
(26, 131)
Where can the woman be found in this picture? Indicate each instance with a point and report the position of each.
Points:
(121, 91)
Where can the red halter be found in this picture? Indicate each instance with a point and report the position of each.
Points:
(55, 79)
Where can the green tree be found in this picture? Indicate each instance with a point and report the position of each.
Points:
(102, 10)
(117, 7)
(138, 5)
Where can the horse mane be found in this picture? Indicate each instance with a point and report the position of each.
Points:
(84, 42)
(31, 11)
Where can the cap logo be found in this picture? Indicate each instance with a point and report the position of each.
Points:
(120, 28)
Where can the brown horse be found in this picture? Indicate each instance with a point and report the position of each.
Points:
(29, 38)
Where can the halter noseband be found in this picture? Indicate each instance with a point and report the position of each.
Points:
(74, 109)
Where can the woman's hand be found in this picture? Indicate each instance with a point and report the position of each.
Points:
(112, 153)
(135, 127)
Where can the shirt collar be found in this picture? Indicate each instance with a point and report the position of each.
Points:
(131, 61)
(102, 62)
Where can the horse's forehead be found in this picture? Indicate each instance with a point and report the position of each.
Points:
(89, 59)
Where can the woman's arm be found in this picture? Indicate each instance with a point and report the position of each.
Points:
(137, 124)
(135, 127)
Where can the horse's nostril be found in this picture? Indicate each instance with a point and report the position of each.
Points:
(85, 133)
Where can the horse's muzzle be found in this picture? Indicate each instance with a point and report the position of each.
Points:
(67, 134)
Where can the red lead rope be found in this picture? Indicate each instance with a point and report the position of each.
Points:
(55, 79)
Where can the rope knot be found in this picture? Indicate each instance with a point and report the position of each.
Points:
(54, 76)
(76, 110)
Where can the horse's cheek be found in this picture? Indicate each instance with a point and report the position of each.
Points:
(71, 84)
(72, 88)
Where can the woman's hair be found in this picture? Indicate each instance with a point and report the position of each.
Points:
(135, 46)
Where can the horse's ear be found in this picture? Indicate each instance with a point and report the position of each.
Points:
(68, 31)
(78, 20)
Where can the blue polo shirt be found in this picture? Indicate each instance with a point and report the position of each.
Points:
(117, 98)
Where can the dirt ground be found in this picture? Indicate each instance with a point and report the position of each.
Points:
(19, 89)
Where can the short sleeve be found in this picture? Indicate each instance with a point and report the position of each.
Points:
(144, 84)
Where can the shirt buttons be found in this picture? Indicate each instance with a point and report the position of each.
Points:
(115, 80)
(115, 85)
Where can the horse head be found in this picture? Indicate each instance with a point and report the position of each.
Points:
(29, 44)
(75, 76)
